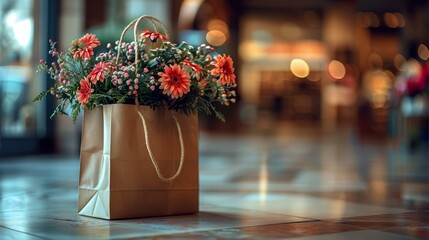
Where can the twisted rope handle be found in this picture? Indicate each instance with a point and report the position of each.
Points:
(136, 22)
(152, 158)
(154, 21)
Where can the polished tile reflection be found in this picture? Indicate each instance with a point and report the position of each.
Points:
(283, 184)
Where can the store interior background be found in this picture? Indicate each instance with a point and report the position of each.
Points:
(318, 67)
(329, 135)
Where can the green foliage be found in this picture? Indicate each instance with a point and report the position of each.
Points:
(98, 80)
(41, 96)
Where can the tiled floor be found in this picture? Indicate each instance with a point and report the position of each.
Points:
(287, 185)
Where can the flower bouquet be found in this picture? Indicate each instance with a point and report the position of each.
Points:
(139, 148)
(178, 77)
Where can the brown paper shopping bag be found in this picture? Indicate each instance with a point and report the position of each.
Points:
(138, 162)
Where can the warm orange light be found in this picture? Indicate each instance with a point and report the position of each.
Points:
(215, 38)
(423, 52)
(217, 24)
(377, 85)
(336, 69)
(370, 19)
(399, 62)
(378, 100)
(217, 32)
(401, 19)
(251, 50)
(391, 76)
(375, 61)
(413, 67)
(391, 20)
(299, 68)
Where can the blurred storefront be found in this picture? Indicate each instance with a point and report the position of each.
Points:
(25, 27)
(332, 63)
(328, 64)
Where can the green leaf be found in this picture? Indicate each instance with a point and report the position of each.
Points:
(41, 96)
(75, 112)
(60, 109)
(220, 116)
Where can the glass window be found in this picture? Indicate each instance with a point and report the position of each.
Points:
(18, 114)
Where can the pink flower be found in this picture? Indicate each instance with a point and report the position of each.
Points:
(84, 92)
(99, 72)
(174, 81)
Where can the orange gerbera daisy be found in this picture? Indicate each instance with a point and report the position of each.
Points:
(90, 40)
(84, 47)
(98, 73)
(84, 92)
(223, 70)
(174, 81)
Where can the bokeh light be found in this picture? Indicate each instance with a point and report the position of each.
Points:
(375, 61)
(399, 62)
(423, 52)
(215, 38)
(391, 20)
(336, 69)
(299, 68)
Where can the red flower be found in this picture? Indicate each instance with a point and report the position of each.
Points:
(90, 40)
(84, 92)
(223, 70)
(99, 72)
(174, 81)
(84, 47)
(153, 36)
(195, 67)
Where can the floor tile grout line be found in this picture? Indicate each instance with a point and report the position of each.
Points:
(358, 228)
(405, 212)
(399, 233)
(234, 227)
(327, 219)
(271, 213)
(383, 229)
(261, 211)
(31, 234)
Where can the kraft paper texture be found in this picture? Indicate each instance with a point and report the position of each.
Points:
(117, 178)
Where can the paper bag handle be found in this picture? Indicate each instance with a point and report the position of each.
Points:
(152, 158)
(136, 22)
